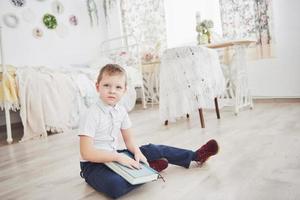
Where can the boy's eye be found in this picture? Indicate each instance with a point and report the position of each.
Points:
(119, 87)
(106, 85)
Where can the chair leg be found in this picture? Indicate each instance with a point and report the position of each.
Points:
(201, 118)
(217, 108)
(166, 123)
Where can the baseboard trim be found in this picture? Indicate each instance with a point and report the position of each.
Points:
(276, 99)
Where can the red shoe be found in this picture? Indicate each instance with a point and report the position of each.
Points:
(159, 165)
(209, 149)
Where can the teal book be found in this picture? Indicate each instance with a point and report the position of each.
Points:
(134, 176)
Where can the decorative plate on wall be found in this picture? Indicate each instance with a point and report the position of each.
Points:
(73, 20)
(50, 21)
(18, 3)
(37, 33)
(11, 20)
(57, 7)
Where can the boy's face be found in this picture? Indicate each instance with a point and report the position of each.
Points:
(111, 88)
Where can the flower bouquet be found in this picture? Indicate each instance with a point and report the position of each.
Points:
(204, 31)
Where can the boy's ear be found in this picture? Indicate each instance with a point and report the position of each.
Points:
(97, 86)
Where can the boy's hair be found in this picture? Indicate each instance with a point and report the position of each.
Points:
(112, 69)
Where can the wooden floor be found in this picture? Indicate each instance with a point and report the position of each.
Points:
(259, 159)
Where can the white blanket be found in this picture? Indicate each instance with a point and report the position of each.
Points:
(46, 101)
(53, 99)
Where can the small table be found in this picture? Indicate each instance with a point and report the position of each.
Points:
(236, 76)
(150, 72)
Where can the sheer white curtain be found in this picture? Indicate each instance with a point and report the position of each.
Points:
(249, 19)
(145, 19)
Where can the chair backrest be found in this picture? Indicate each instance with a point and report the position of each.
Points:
(190, 78)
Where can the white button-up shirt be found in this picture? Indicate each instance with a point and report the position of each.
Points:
(103, 123)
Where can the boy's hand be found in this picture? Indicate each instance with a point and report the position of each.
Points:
(127, 161)
(139, 157)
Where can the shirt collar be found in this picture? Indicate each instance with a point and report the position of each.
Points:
(107, 108)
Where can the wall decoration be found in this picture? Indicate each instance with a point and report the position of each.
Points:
(10, 20)
(73, 20)
(50, 21)
(18, 3)
(57, 7)
(37, 33)
(108, 4)
(93, 12)
(28, 15)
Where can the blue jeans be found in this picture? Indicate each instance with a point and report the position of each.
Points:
(104, 180)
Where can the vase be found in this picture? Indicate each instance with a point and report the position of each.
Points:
(203, 38)
(208, 37)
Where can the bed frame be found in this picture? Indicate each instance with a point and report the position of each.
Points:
(6, 109)
(126, 43)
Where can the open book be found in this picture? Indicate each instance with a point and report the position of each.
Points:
(134, 176)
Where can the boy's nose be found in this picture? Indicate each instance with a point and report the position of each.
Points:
(112, 90)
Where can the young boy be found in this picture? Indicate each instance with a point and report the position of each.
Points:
(99, 130)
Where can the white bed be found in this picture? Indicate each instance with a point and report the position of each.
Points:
(52, 98)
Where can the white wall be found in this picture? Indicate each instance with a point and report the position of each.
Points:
(280, 77)
(277, 77)
(77, 47)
